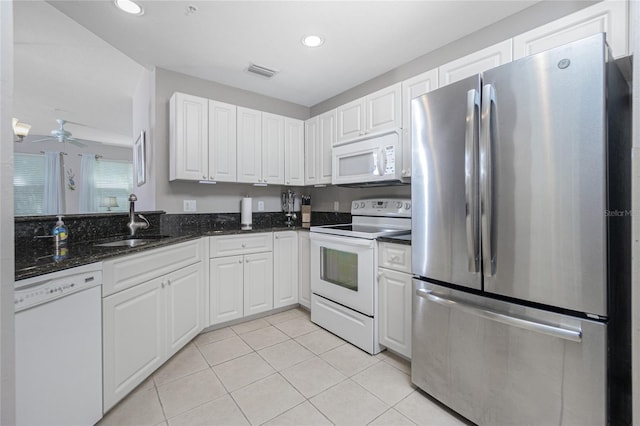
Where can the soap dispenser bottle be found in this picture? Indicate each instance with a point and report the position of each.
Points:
(60, 233)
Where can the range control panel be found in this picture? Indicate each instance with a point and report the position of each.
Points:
(387, 207)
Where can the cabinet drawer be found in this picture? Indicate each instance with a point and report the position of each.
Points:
(230, 245)
(395, 256)
(127, 271)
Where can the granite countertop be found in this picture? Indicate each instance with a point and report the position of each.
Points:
(42, 257)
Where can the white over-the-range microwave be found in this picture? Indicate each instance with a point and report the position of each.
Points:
(372, 160)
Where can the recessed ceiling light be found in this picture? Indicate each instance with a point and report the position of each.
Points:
(129, 6)
(312, 41)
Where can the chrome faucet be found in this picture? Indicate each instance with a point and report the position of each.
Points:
(134, 224)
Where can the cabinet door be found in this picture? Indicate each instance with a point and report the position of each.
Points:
(249, 145)
(293, 152)
(304, 271)
(412, 87)
(383, 109)
(183, 295)
(258, 283)
(475, 63)
(133, 338)
(222, 142)
(225, 288)
(272, 148)
(311, 151)
(327, 137)
(351, 120)
(608, 16)
(285, 268)
(394, 307)
(188, 137)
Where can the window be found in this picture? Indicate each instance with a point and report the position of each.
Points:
(114, 179)
(28, 183)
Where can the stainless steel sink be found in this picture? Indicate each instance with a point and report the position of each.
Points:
(132, 242)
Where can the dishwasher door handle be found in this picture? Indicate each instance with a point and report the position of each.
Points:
(537, 327)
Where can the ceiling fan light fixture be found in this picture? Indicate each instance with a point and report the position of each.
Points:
(129, 6)
(312, 40)
(20, 130)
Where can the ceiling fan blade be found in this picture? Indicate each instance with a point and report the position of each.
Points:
(44, 140)
(76, 142)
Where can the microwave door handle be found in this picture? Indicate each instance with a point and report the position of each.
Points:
(383, 161)
(470, 179)
(486, 179)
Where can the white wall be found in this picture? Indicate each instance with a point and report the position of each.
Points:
(7, 359)
(143, 120)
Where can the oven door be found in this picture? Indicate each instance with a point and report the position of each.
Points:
(367, 161)
(342, 270)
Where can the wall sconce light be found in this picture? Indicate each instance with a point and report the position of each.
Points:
(20, 130)
(108, 202)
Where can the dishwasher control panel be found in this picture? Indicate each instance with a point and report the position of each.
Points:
(38, 290)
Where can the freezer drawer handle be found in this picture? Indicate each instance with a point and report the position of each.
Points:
(550, 330)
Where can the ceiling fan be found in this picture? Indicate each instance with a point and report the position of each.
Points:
(62, 135)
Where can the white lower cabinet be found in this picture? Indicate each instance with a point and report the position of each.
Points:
(285, 268)
(304, 269)
(240, 285)
(146, 324)
(394, 297)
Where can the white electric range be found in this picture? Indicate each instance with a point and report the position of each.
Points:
(344, 261)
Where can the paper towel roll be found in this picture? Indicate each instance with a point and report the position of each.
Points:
(245, 213)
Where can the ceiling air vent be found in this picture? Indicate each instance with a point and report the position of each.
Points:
(261, 71)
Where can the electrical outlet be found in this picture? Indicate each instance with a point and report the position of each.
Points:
(336, 206)
(260, 206)
(189, 205)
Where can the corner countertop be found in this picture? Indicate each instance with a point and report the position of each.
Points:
(42, 257)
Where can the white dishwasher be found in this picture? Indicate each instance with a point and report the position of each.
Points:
(58, 341)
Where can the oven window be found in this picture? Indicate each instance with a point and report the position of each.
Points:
(339, 267)
(356, 165)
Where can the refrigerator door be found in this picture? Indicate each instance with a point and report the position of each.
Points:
(498, 363)
(542, 178)
(444, 188)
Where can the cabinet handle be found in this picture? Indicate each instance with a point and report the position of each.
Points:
(168, 282)
(277, 238)
(243, 245)
(210, 177)
(246, 261)
(162, 284)
(240, 261)
(204, 177)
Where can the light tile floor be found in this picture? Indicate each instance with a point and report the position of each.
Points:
(278, 370)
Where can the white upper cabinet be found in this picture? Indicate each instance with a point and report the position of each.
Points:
(188, 137)
(608, 16)
(311, 163)
(373, 113)
(412, 87)
(272, 149)
(351, 120)
(475, 63)
(383, 109)
(294, 160)
(327, 135)
(222, 142)
(249, 145)
(320, 136)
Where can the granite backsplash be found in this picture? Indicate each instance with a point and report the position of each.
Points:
(91, 227)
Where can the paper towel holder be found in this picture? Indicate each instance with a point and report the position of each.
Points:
(246, 219)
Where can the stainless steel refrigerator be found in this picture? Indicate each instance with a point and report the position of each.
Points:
(521, 241)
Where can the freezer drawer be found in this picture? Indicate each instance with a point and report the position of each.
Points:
(498, 363)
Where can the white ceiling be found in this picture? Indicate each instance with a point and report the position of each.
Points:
(61, 66)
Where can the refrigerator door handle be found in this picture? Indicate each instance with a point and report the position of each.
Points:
(486, 172)
(470, 178)
(550, 330)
